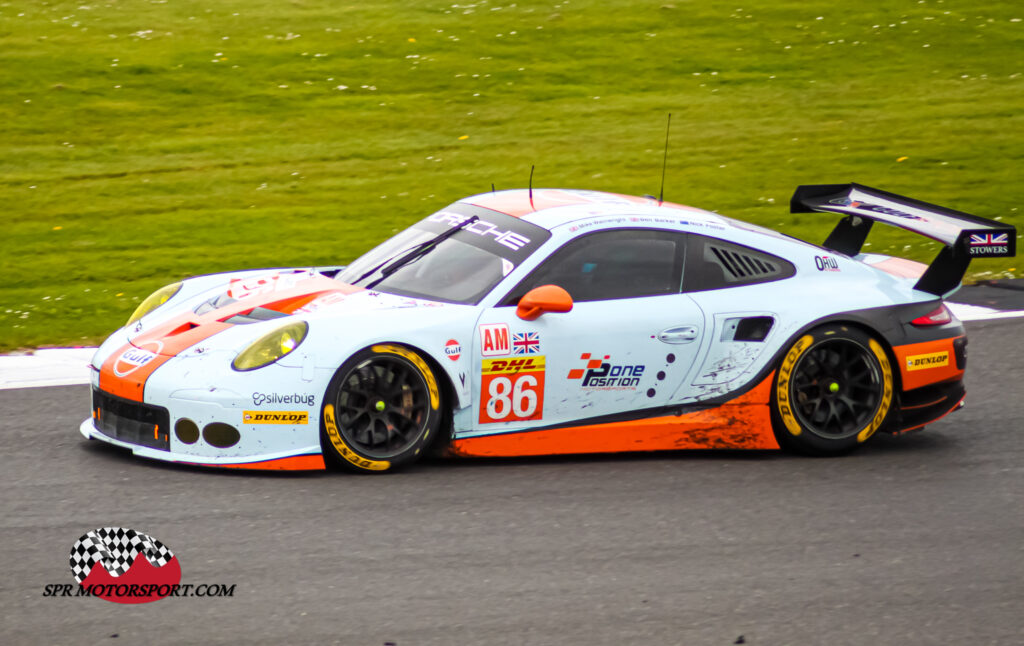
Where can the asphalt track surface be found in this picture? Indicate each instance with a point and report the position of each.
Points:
(912, 540)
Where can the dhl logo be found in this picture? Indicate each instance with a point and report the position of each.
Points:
(512, 366)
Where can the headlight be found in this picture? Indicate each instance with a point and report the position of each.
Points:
(271, 346)
(155, 300)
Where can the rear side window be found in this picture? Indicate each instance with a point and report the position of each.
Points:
(607, 265)
(714, 264)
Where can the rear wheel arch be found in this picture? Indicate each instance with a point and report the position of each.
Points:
(835, 386)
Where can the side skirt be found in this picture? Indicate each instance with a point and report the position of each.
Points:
(740, 423)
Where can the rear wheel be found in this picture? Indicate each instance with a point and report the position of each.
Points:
(382, 410)
(833, 391)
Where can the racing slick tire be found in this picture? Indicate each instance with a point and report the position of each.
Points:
(382, 410)
(833, 390)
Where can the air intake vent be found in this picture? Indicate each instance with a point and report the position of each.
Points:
(737, 265)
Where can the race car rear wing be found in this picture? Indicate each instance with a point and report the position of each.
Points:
(965, 236)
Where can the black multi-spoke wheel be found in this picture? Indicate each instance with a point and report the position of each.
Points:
(382, 409)
(833, 390)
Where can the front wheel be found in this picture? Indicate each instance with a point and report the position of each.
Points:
(381, 411)
(833, 390)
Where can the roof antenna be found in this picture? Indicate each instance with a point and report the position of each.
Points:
(531, 188)
(664, 162)
(492, 187)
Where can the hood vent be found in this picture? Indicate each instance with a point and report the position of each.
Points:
(255, 315)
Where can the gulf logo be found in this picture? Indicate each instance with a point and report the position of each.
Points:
(134, 358)
(453, 349)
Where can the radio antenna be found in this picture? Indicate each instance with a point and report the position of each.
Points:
(531, 188)
(492, 187)
(664, 161)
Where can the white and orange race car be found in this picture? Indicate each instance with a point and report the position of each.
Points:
(549, 321)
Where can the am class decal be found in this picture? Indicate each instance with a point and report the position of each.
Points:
(495, 340)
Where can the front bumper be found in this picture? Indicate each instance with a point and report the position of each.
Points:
(161, 433)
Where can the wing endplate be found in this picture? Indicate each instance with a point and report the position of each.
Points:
(963, 235)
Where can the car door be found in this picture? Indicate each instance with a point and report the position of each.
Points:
(628, 343)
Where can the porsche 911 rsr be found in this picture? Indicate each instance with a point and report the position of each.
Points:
(539, 322)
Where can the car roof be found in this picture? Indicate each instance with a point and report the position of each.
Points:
(551, 207)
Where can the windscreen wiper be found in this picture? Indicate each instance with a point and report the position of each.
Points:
(416, 252)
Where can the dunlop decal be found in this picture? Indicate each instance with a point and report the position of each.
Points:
(275, 417)
(925, 361)
(883, 408)
(343, 450)
(782, 388)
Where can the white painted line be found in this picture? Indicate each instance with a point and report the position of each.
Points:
(47, 367)
(978, 313)
(70, 366)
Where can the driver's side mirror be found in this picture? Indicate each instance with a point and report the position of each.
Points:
(546, 298)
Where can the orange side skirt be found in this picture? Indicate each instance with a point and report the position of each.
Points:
(742, 423)
(294, 463)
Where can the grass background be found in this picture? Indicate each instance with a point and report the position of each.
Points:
(142, 141)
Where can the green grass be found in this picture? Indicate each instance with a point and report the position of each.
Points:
(142, 141)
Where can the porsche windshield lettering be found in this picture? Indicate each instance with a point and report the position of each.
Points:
(510, 239)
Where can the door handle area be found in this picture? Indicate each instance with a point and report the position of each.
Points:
(682, 334)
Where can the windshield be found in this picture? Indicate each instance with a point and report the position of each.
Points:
(460, 269)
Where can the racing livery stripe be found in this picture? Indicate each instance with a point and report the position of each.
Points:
(125, 373)
(744, 422)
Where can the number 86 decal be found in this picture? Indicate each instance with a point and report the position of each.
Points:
(512, 390)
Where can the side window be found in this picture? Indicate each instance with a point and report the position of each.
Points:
(622, 263)
(714, 264)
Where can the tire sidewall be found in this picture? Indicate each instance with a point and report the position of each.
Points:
(784, 419)
(340, 451)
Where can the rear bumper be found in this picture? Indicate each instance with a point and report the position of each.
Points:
(928, 404)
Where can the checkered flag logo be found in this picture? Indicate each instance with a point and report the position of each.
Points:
(115, 548)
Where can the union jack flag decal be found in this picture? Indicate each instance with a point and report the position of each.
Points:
(526, 343)
(988, 239)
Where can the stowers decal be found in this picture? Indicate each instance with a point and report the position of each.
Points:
(275, 417)
(989, 244)
(930, 360)
(122, 565)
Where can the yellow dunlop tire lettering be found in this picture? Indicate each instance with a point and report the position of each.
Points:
(782, 387)
(883, 408)
(428, 375)
(343, 449)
